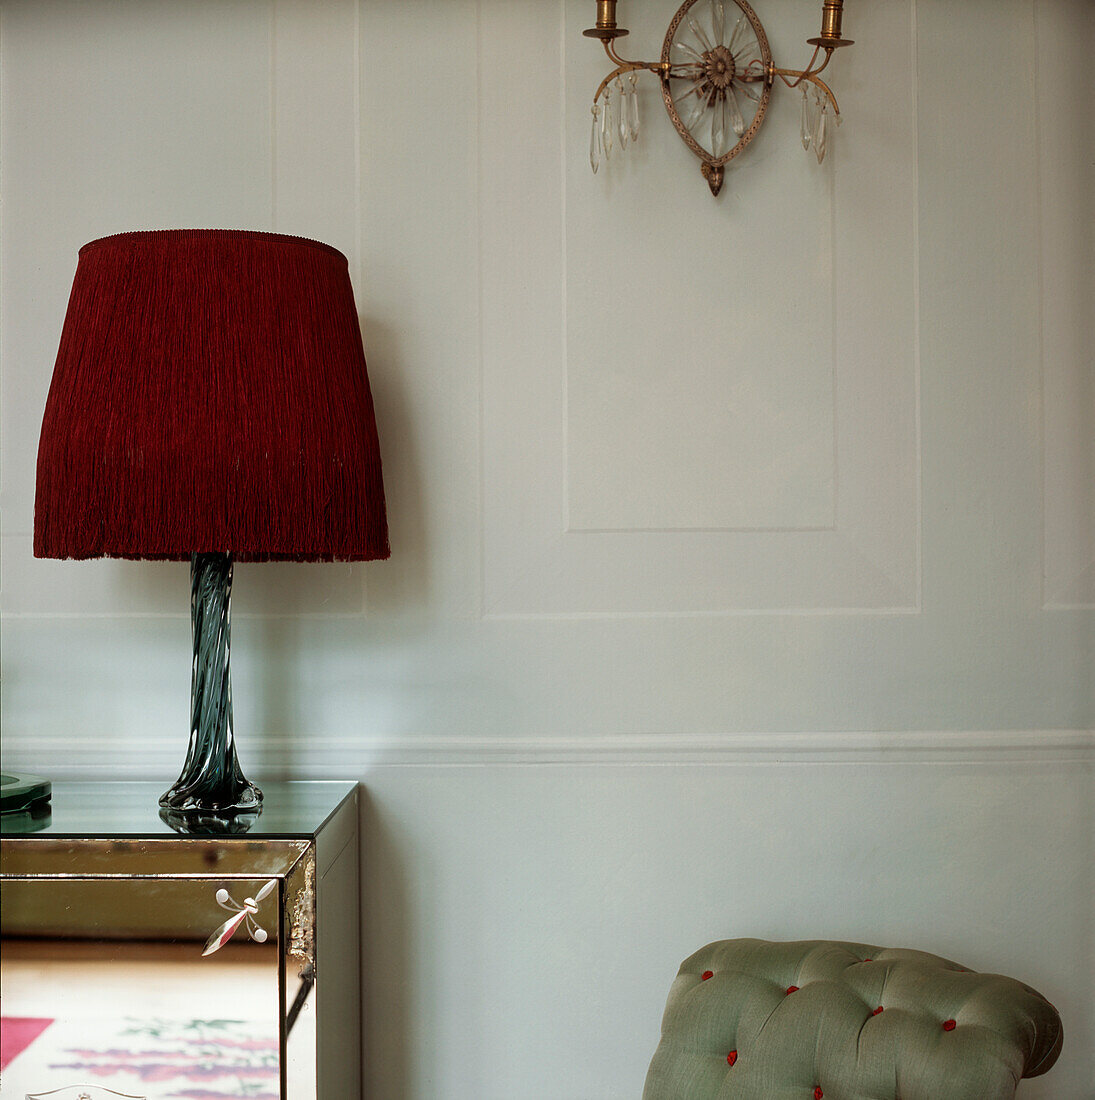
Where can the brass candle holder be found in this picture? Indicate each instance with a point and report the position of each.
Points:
(717, 75)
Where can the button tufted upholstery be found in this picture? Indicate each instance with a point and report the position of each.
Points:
(753, 1020)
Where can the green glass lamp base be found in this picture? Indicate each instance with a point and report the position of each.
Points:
(212, 796)
(205, 823)
(211, 781)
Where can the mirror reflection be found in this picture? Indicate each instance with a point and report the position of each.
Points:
(106, 991)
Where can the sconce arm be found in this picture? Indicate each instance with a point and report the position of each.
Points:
(626, 67)
(801, 75)
(610, 49)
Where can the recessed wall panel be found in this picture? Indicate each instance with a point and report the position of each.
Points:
(696, 405)
(1065, 34)
(686, 407)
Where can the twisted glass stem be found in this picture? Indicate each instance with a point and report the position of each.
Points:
(211, 779)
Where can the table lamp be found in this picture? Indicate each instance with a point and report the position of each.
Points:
(210, 403)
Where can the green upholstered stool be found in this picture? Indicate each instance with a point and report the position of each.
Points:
(753, 1020)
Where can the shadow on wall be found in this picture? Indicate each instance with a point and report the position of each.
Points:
(386, 961)
(401, 584)
(280, 660)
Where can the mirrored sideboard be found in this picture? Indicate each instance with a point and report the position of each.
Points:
(157, 957)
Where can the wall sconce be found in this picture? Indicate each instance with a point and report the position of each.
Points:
(717, 75)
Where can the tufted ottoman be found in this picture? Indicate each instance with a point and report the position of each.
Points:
(753, 1020)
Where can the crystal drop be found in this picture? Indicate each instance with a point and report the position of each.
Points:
(737, 33)
(633, 110)
(736, 119)
(819, 136)
(684, 47)
(606, 126)
(807, 133)
(718, 21)
(718, 127)
(621, 106)
(696, 113)
(698, 32)
(812, 112)
(595, 140)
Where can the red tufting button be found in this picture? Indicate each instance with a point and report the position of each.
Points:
(949, 1025)
(792, 989)
(732, 1057)
(868, 960)
(818, 1094)
(707, 974)
(877, 1011)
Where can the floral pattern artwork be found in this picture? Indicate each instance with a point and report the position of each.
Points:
(190, 1059)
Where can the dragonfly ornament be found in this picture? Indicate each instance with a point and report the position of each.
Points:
(241, 914)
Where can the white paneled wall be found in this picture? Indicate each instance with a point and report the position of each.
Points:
(743, 562)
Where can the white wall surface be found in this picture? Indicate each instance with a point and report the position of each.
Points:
(743, 564)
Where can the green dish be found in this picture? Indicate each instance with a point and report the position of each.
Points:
(21, 792)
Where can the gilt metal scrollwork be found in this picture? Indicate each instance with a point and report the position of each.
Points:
(717, 74)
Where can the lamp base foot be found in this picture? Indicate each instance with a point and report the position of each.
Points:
(212, 796)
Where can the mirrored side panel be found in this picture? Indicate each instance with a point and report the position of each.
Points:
(143, 987)
(299, 952)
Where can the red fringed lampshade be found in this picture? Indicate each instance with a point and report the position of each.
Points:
(210, 394)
